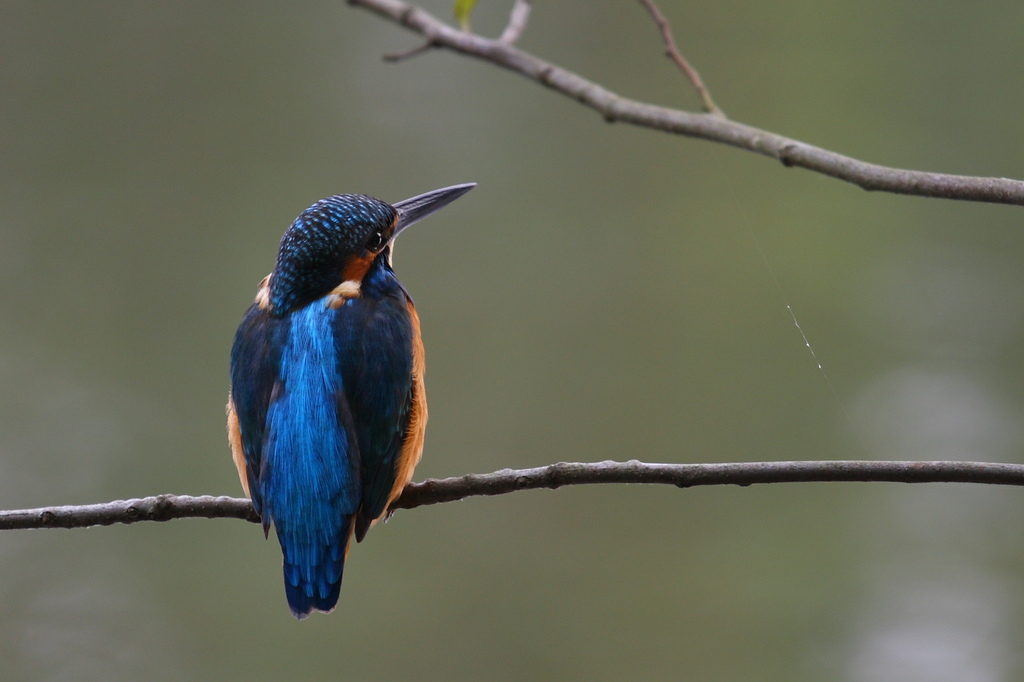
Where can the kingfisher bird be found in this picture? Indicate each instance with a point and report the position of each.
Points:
(327, 408)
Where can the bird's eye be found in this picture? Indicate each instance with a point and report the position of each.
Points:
(376, 242)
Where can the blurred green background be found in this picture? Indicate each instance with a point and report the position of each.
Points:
(603, 294)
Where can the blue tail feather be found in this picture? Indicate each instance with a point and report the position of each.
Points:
(312, 576)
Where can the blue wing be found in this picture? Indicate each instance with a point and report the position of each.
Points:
(379, 375)
(255, 361)
(304, 465)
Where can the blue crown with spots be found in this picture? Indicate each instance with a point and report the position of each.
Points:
(313, 249)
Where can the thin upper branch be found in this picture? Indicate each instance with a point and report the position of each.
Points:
(712, 127)
(167, 507)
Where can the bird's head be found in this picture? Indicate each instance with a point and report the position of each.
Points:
(337, 239)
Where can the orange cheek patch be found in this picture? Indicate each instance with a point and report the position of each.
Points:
(356, 267)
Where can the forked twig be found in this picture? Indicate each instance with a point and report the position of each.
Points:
(614, 107)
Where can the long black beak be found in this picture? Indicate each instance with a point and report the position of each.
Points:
(419, 207)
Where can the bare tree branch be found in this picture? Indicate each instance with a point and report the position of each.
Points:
(157, 508)
(613, 107)
(672, 51)
(167, 507)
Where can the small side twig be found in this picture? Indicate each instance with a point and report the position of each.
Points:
(672, 51)
(516, 23)
(408, 54)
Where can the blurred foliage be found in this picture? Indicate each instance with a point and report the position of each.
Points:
(462, 10)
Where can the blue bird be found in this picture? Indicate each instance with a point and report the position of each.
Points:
(327, 408)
